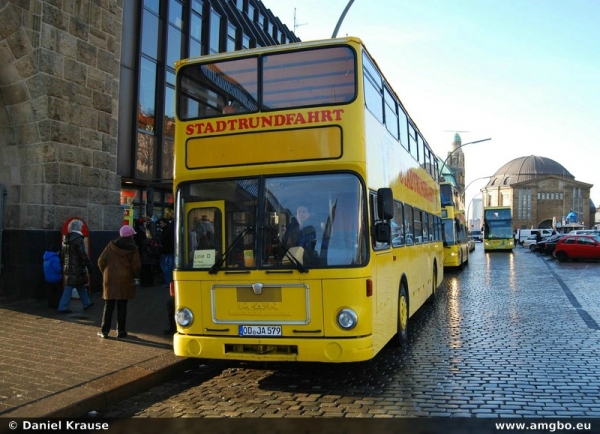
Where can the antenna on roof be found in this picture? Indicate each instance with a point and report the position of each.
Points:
(295, 24)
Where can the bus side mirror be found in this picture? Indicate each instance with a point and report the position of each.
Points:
(385, 203)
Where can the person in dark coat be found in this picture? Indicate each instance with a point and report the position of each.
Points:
(301, 231)
(146, 257)
(120, 265)
(76, 267)
(53, 276)
(167, 254)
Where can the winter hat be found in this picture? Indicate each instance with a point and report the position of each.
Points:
(127, 231)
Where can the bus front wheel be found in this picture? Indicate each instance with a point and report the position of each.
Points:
(402, 336)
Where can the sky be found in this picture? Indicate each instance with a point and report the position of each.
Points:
(525, 73)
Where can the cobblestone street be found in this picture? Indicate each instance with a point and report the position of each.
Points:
(512, 335)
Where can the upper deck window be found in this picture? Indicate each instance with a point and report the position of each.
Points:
(295, 79)
(308, 78)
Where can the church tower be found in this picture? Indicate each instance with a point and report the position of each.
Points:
(456, 162)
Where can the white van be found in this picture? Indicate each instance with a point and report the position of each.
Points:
(522, 234)
(476, 234)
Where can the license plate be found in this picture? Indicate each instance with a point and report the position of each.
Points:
(260, 330)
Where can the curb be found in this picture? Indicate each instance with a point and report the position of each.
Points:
(96, 394)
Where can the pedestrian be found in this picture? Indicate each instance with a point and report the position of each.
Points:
(76, 267)
(146, 254)
(120, 265)
(167, 254)
(53, 275)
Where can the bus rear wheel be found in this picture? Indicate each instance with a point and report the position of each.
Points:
(434, 286)
(402, 335)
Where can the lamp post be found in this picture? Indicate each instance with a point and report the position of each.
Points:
(468, 185)
(339, 23)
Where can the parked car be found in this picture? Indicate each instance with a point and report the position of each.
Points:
(531, 240)
(577, 247)
(548, 245)
(584, 232)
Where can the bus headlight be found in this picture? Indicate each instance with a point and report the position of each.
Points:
(347, 319)
(184, 317)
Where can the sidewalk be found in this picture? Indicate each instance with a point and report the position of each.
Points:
(54, 365)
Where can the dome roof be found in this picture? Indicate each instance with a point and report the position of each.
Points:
(526, 168)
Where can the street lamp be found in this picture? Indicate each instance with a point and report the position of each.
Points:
(461, 146)
(468, 185)
(339, 23)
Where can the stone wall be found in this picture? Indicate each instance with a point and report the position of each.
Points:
(59, 81)
(59, 84)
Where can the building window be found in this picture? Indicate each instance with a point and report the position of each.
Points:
(145, 156)
(577, 203)
(168, 133)
(150, 24)
(524, 204)
(215, 32)
(231, 31)
(174, 46)
(195, 48)
(147, 95)
(153, 5)
(197, 6)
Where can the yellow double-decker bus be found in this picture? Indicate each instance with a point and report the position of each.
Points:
(307, 206)
(456, 239)
(497, 228)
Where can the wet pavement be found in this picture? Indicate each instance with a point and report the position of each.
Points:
(510, 336)
(54, 365)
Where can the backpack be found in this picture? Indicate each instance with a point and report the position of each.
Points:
(153, 248)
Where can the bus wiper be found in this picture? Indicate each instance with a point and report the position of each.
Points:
(232, 249)
(286, 250)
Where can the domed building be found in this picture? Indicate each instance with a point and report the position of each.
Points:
(541, 193)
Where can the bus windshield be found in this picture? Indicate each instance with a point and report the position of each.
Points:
(498, 224)
(271, 81)
(272, 222)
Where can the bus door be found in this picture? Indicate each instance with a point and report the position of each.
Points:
(203, 223)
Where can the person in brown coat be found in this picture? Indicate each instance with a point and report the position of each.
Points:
(120, 264)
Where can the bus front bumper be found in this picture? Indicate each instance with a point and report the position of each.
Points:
(274, 349)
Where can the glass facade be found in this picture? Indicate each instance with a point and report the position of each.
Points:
(167, 31)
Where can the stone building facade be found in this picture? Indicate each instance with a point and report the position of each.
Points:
(59, 81)
(541, 193)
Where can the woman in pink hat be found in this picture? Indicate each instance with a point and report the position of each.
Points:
(120, 266)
